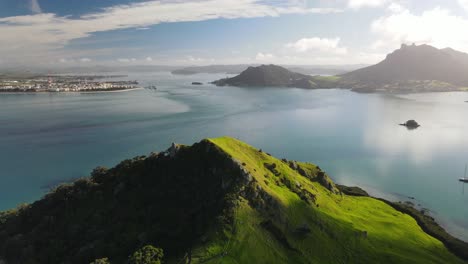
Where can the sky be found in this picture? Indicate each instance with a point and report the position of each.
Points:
(204, 32)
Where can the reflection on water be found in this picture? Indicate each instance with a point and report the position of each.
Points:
(46, 139)
(443, 127)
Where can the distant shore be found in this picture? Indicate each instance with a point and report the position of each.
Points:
(75, 92)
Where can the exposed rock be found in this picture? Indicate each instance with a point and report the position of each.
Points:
(410, 124)
(173, 149)
(272, 167)
(354, 191)
(197, 83)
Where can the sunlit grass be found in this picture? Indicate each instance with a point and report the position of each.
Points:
(343, 229)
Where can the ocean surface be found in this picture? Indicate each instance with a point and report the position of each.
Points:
(46, 139)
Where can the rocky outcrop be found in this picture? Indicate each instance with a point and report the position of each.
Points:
(410, 124)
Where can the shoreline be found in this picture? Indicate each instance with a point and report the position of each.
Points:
(76, 92)
(425, 221)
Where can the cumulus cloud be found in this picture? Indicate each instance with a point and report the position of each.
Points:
(318, 44)
(264, 56)
(437, 27)
(44, 32)
(357, 4)
(286, 58)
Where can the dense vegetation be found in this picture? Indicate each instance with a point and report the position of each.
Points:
(276, 76)
(159, 200)
(218, 201)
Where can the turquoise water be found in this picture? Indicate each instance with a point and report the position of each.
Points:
(46, 139)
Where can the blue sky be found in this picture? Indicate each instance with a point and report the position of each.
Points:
(199, 32)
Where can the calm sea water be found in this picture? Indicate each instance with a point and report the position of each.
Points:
(46, 139)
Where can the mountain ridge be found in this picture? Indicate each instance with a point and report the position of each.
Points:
(219, 200)
(412, 68)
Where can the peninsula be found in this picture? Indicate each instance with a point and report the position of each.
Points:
(219, 201)
(411, 68)
(64, 83)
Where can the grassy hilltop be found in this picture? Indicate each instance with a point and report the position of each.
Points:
(218, 201)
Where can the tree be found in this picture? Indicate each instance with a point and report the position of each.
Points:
(147, 255)
(101, 261)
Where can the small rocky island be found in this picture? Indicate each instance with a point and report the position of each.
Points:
(197, 83)
(410, 124)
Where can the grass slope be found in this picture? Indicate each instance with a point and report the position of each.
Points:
(330, 227)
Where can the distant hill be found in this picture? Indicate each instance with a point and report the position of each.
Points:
(273, 76)
(413, 68)
(219, 201)
(228, 69)
(236, 69)
(264, 75)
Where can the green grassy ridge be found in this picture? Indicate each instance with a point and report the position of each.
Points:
(430, 226)
(217, 201)
(341, 228)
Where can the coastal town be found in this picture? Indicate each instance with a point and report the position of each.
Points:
(65, 83)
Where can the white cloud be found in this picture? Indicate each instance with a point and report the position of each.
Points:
(35, 7)
(197, 60)
(37, 36)
(357, 4)
(318, 44)
(317, 51)
(85, 60)
(126, 60)
(149, 59)
(317, 59)
(437, 27)
(464, 4)
(264, 56)
(395, 8)
(64, 60)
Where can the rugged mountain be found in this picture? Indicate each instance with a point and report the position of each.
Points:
(273, 76)
(219, 201)
(413, 68)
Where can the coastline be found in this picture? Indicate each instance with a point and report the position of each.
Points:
(427, 223)
(76, 92)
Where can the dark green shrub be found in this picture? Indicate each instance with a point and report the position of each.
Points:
(147, 255)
